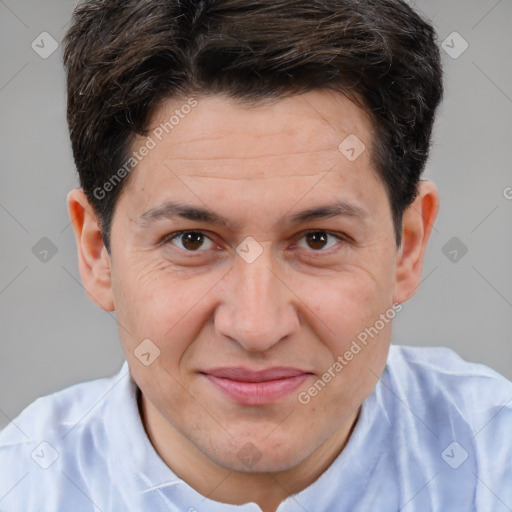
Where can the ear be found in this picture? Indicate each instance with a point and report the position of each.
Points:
(93, 258)
(417, 223)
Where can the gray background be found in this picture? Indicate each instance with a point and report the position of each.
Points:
(53, 336)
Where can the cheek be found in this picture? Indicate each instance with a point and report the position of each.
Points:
(350, 305)
(346, 302)
(155, 302)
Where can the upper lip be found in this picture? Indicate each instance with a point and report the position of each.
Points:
(245, 375)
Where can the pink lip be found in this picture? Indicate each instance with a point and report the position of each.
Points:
(249, 387)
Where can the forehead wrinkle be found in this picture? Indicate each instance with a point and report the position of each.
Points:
(263, 175)
(272, 177)
(269, 155)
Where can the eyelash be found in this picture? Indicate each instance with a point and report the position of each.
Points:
(344, 239)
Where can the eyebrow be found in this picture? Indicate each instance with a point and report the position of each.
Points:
(170, 210)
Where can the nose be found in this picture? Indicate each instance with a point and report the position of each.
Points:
(258, 308)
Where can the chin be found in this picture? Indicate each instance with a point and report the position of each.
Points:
(251, 456)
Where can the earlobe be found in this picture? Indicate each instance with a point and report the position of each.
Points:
(417, 223)
(93, 259)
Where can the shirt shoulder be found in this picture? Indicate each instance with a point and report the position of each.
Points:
(440, 374)
(457, 418)
(56, 449)
(53, 415)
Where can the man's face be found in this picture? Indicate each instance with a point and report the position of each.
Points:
(294, 296)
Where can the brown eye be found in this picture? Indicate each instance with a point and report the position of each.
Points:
(319, 240)
(190, 240)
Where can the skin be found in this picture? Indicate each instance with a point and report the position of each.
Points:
(299, 304)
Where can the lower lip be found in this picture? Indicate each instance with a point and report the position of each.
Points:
(258, 393)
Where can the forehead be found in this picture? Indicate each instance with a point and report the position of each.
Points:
(315, 121)
(224, 146)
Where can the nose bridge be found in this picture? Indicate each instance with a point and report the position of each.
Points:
(257, 311)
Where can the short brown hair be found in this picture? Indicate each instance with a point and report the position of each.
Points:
(124, 57)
